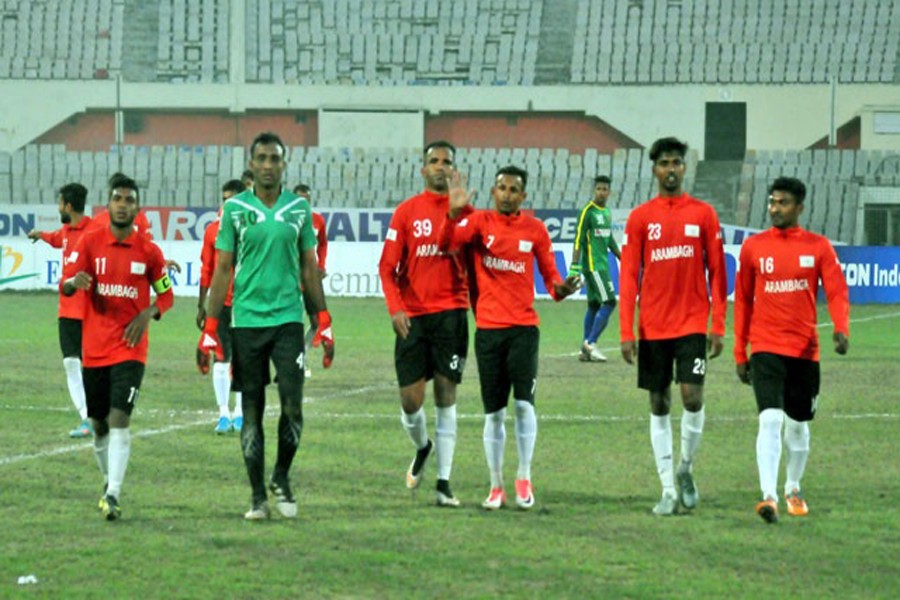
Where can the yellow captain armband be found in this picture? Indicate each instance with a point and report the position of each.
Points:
(162, 285)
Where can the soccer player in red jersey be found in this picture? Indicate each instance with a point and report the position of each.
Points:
(221, 370)
(671, 243)
(506, 244)
(775, 312)
(72, 197)
(116, 267)
(426, 294)
(318, 223)
(141, 223)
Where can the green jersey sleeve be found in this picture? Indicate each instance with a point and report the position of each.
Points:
(307, 235)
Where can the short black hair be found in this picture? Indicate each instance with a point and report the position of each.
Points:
(791, 185)
(236, 186)
(667, 145)
(120, 180)
(115, 177)
(301, 188)
(74, 194)
(438, 144)
(602, 179)
(514, 171)
(265, 138)
(247, 174)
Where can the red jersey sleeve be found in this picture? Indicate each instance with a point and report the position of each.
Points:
(546, 261)
(208, 254)
(836, 291)
(392, 254)
(715, 266)
(54, 238)
(321, 239)
(743, 303)
(456, 233)
(79, 260)
(629, 272)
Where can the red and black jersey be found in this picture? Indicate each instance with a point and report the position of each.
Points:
(775, 293)
(416, 276)
(66, 237)
(670, 245)
(505, 248)
(122, 274)
(318, 224)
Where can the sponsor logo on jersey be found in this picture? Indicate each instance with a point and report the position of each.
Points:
(428, 250)
(782, 286)
(692, 230)
(391, 234)
(117, 290)
(807, 261)
(502, 264)
(525, 246)
(602, 232)
(138, 268)
(671, 252)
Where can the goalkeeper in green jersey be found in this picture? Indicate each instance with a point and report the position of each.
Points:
(590, 257)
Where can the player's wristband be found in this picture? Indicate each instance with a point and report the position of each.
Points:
(575, 269)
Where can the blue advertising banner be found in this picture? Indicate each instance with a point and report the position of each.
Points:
(355, 240)
(872, 273)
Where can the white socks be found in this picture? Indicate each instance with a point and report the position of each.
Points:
(768, 450)
(101, 451)
(445, 439)
(76, 385)
(691, 432)
(238, 407)
(494, 440)
(119, 451)
(526, 434)
(661, 440)
(221, 380)
(796, 442)
(415, 427)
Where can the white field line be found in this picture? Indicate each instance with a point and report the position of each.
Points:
(209, 417)
(612, 349)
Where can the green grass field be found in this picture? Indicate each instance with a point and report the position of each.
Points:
(360, 533)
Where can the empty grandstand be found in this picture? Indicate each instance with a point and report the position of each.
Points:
(467, 42)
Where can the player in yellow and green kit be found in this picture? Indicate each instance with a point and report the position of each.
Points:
(590, 257)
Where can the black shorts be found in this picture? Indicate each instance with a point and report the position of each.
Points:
(70, 337)
(256, 347)
(655, 358)
(507, 360)
(791, 384)
(114, 386)
(437, 342)
(224, 332)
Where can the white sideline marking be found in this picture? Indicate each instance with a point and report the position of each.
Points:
(8, 460)
(16, 458)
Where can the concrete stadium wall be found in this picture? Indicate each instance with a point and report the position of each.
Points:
(777, 116)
